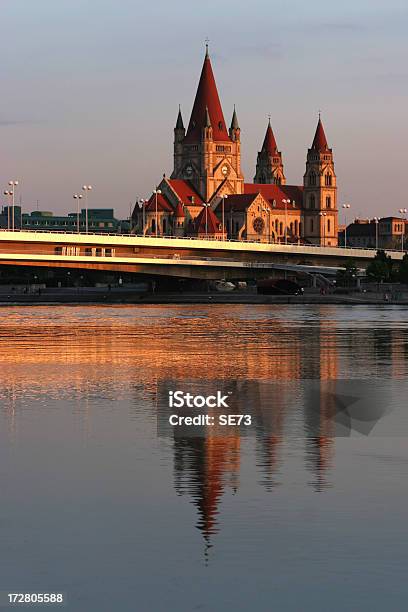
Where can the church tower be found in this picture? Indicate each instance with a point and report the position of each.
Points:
(208, 155)
(269, 164)
(320, 193)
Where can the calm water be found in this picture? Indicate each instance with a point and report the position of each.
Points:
(97, 503)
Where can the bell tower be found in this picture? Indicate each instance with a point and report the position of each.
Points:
(207, 154)
(269, 164)
(320, 193)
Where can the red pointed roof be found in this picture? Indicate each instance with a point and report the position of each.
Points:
(208, 222)
(162, 203)
(207, 97)
(277, 193)
(269, 144)
(179, 212)
(185, 191)
(320, 141)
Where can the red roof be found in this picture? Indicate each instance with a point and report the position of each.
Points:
(207, 222)
(269, 144)
(277, 193)
(237, 202)
(162, 203)
(320, 141)
(207, 97)
(185, 191)
(179, 212)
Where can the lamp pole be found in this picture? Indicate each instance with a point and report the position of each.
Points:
(78, 198)
(403, 212)
(323, 214)
(223, 197)
(206, 220)
(376, 220)
(86, 189)
(156, 193)
(8, 195)
(13, 185)
(346, 207)
(142, 204)
(286, 202)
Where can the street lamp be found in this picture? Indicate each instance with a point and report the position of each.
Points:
(403, 212)
(8, 194)
(142, 205)
(206, 220)
(11, 192)
(376, 220)
(86, 189)
(286, 202)
(346, 207)
(156, 193)
(78, 198)
(223, 197)
(323, 214)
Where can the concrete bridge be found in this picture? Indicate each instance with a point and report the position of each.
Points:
(177, 257)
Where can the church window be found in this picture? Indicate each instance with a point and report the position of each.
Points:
(312, 179)
(281, 228)
(311, 225)
(153, 225)
(328, 202)
(276, 224)
(296, 228)
(312, 201)
(328, 180)
(328, 226)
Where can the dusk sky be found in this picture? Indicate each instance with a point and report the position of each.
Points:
(91, 88)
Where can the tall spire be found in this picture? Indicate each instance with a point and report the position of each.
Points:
(179, 122)
(320, 140)
(207, 123)
(207, 97)
(234, 122)
(269, 144)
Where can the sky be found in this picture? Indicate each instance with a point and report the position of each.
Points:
(91, 88)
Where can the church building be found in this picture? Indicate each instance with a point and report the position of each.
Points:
(207, 196)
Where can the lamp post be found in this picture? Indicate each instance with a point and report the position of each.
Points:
(376, 220)
(223, 197)
(13, 185)
(346, 207)
(156, 192)
(8, 195)
(142, 205)
(86, 189)
(403, 212)
(323, 214)
(286, 202)
(206, 220)
(78, 199)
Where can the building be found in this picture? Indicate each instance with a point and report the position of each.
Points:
(384, 233)
(100, 221)
(207, 170)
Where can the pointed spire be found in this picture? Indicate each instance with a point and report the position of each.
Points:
(207, 122)
(269, 144)
(207, 98)
(234, 122)
(320, 141)
(179, 122)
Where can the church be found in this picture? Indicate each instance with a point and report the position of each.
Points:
(206, 195)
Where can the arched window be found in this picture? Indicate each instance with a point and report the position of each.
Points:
(296, 228)
(276, 224)
(281, 228)
(328, 202)
(312, 201)
(328, 180)
(312, 179)
(300, 228)
(328, 226)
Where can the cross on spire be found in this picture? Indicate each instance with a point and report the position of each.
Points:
(207, 41)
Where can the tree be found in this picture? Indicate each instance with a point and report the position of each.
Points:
(380, 268)
(403, 270)
(348, 275)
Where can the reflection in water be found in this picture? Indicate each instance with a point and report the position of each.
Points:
(111, 353)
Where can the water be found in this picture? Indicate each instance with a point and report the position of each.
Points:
(98, 503)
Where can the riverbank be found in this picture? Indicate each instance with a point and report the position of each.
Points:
(123, 296)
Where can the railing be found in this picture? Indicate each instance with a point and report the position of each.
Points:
(208, 238)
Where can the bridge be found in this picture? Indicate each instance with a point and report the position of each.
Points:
(174, 257)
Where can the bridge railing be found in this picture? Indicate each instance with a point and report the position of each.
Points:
(194, 238)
